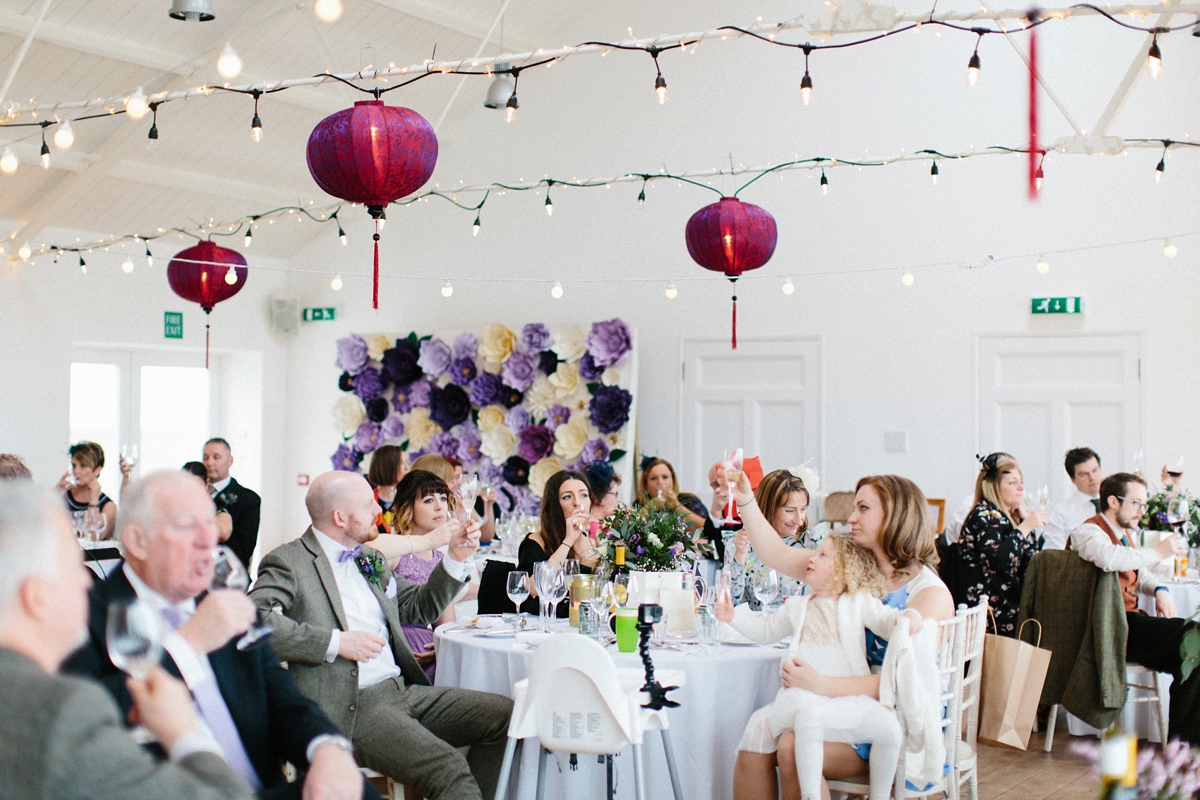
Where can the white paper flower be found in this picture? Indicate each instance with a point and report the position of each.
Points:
(539, 397)
(420, 428)
(570, 438)
(541, 472)
(376, 345)
(568, 343)
(490, 417)
(498, 443)
(496, 343)
(808, 476)
(611, 377)
(348, 412)
(565, 380)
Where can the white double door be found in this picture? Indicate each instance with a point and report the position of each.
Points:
(764, 397)
(1040, 396)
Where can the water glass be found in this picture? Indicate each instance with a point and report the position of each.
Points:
(229, 573)
(706, 627)
(766, 587)
(551, 587)
(518, 592)
(135, 634)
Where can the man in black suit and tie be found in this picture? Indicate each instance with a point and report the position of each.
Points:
(245, 699)
(242, 504)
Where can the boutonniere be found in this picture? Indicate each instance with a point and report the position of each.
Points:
(373, 567)
(226, 499)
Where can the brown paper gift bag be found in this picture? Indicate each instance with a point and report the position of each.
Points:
(1011, 686)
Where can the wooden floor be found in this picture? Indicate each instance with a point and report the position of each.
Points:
(1034, 775)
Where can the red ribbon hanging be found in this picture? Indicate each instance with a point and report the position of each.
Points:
(734, 322)
(1033, 110)
(206, 338)
(375, 282)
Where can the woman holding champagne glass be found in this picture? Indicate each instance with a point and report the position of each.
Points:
(564, 533)
(81, 487)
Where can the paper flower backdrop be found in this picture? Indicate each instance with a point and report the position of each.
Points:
(513, 406)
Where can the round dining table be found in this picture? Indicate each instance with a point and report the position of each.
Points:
(725, 684)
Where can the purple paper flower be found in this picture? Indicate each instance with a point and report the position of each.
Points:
(367, 437)
(345, 381)
(449, 406)
(414, 395)
(609, 408)
(468, 447)
(588, 369)
(488, 472)
(352, 354)
(548, 362)
(517, 418)
(462, 371)
(392, 429)
(535, 337)
(377, 409)
(594, 450)
(529, 503)
(519, 371)
(435, 357)
(444, 444)
(466, 346)
(557, 415)
(509, 397)
(400, 363)
(368, 384)
(516, 471)
(346, 459)
(609, 341)
(485, 389)
(536, 443)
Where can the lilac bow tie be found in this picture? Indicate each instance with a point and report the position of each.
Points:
(348, 555)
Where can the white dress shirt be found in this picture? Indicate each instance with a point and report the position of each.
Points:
(1065, 516)
(218, 487)
(1093, 544)
(363, 612)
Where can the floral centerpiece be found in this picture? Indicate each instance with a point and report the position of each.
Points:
(513, 406)
(1155, 518)
(655, 537)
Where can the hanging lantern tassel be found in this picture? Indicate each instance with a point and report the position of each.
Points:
(375, 278)
(1033, 109)
(734, 336)
(207, 311)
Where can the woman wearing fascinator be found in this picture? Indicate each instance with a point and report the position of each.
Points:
(997, 540)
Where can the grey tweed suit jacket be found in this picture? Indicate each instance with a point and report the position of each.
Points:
(297, 578)
(63, 739)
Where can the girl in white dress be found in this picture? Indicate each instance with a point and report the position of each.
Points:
(827, 630)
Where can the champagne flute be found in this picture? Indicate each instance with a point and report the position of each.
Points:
(1043, 497)
(129, 455)
(134, 633)
(731, 461)
(518, 592)
(468, 490)
(766, 587)
(228, 573)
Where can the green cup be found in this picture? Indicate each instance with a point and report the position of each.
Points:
(627, 633)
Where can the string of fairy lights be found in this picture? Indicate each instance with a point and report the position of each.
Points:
(827, 22)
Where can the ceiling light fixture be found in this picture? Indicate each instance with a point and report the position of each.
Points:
(328, 10)
(192, 10)
(501, 89)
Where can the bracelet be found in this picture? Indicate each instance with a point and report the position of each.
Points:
(1158, 589)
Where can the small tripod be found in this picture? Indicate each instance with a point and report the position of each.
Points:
(648, 614)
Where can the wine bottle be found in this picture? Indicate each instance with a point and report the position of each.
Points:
(619, 566)
(1118, 764)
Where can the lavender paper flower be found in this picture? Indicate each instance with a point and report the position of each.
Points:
(449, 406)
(609, 408)
(589, 370)
(518, 419)
(444, 444)
(519, 371)
(351, 354)
(400, 363)
(466, 346)
(548, 362)
(529, 503)
(609, 341)
(468, 446)
(346, 459)
(488, 472)
(414, 395)
(367, 437)
(377, 409)
(435, 357)
(516, 471)
(535, 337)
(594, 450)
(557, 415)
(485, 389)
(462, 371)
(392, 429)
(537, 442)
(368, 384)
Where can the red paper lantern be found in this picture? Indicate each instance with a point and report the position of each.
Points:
(372, 154)
(731, 237)
(199, 274)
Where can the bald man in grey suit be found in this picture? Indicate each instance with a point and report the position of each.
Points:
(63, 736)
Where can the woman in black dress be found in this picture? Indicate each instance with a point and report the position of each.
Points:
(564, 534)
(83, 493)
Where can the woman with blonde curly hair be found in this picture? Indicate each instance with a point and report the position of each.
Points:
(846, 590)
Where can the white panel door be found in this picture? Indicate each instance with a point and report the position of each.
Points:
(1040, 396)
(764, 397)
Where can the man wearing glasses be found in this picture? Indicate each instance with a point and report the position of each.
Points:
(1109, 540)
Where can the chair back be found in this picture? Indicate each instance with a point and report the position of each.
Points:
(838, 506)
(576, 699)
(493, 588)
(972, 630)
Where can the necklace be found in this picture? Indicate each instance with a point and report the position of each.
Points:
(387, 493)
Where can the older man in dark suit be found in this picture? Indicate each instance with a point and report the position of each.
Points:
(246, 700)
(340, 634)
(243, 505)
(62, 736)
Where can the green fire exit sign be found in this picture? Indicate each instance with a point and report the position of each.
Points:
(1056, 305)
(172, 325)
(319, 314)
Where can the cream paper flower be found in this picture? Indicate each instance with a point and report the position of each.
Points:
(348, 412)
(565, 380)
(490, 417)
(498, 443)
(541, 472)
(568, 343)
(496, 343)
(570, 438)
(377, 345)
(420, 428)
(611, 377)
(538, 397)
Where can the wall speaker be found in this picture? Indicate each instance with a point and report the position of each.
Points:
(285, 315)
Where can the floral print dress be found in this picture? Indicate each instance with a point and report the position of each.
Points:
(993, 556)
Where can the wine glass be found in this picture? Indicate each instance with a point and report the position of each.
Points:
(134, 632)
(468, 490)
(601, 600)
(570, 569)
(558, 591)
(1177, 512)
(518, 592)
(547, 579)
(79, 519)
(94, 524)
(1138, 461)
(1175, 467)
(766, 587)
(228, 573)
(129, 455)
(1043, 497)
(731, 461)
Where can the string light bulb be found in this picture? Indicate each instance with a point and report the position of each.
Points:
(9, 162)
(556, 291)
(824, 183)
(64, 137)
(25, 251)
(475, 226)
(1160, 169)
(973, 65)
(933, 174)
(249, 234)
(660, 89)
(806, 82)
(1038, 178)
(788, 287)
(152, 134)
(328, 10)
(82, 264)
(1043, 266)
(510, 108)
(671, 292)
(127, 265)
(447, 289)
(1154, 59)
(907, 279)
(642, 195)
(149, 257)
(231, 276)
(341, 234)
(256, 131)
(45, 151)
(136, 105)
(336, 283)
(1169, 249)
(549, 205)
(229, 64)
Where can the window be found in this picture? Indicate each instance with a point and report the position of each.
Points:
(174, 416)
(96, 417)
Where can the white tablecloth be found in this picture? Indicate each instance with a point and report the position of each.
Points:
(724, 687)
(1139, 716)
